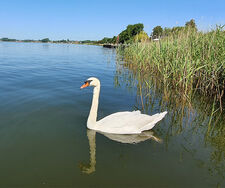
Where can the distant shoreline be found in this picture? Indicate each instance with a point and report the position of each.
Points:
(53, 42)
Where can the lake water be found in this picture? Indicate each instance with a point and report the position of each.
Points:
(44, 141)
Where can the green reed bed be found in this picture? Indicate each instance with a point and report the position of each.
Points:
(187, 62)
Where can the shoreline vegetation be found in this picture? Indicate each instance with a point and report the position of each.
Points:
(183, 59)
(45, 40)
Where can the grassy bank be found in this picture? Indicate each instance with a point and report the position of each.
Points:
(187, 62)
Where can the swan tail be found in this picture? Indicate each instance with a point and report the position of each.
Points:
(156, 118)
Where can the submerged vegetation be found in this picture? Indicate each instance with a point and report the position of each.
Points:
(197, 123)
(186, 61)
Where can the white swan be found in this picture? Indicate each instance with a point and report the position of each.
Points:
(121, 122)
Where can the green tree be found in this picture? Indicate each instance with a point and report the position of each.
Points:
(191, 24)
(45, 40)
(157, 31)
(128, 34)
(114, 39)
(133, 30)
(106, 40)
(123, 36)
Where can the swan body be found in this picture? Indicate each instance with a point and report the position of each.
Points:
(120, 122)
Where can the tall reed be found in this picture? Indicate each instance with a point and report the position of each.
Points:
(188, 62)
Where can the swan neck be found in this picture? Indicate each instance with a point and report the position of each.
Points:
(94, 107)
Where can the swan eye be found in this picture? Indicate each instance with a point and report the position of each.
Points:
(86, 84)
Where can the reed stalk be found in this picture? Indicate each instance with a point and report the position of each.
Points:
(188, 62)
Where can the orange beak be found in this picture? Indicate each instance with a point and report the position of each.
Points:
(86, 84)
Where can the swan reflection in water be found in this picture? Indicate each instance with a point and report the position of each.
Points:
(126, 139)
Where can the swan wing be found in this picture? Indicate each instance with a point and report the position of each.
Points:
(128, 122)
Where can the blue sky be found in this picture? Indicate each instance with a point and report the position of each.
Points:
(83, 19)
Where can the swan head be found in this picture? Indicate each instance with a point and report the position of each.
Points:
(92, 81)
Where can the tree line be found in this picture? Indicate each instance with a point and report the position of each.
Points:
(158, 31)
(136, 33)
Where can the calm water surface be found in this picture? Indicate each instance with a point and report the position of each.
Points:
(43, 137)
